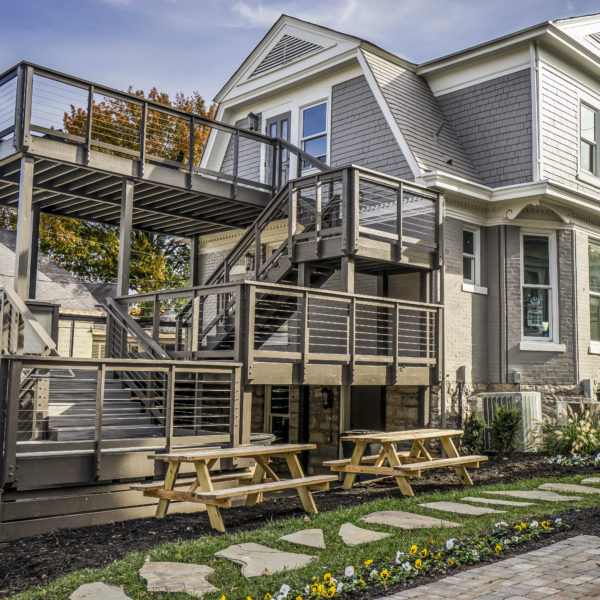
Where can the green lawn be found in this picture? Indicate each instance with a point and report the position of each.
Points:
(334, 559)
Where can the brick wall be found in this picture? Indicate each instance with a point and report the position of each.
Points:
(492, 120)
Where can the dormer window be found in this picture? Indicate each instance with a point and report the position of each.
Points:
(314, 132)
(588, 133)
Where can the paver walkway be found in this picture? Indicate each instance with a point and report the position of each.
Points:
(567, 570)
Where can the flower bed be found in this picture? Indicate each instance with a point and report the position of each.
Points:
(414, 562)
(574, 460)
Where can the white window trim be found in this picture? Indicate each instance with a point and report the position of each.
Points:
(532, 343)
(594, 344)
(268, 414)
(594, 347)
(327, 101)
(474, 286)
(589, 176)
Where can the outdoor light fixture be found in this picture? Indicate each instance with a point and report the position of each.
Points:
(252, 122)
(327, 398)
(249, 259)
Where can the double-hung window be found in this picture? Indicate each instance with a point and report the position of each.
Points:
(588, 134)
(471, 256)
(277, 413)
(538, 288)
(594, 273)
(314, 132)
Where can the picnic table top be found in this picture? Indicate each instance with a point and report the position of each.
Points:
(404, 435)
(235, 452)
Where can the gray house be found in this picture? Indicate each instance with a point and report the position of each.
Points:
(508, 132)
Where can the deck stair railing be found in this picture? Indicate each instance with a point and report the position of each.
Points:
(36, 101)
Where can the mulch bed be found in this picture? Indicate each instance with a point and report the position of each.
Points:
(40, 559)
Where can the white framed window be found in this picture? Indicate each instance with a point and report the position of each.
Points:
(277, 412)
(594, 285)
(539, 298)
(471, 255)
(314, 131)
(588, 139)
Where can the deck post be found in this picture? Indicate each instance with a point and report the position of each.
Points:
(194, 260)
(24, 229)
(347, 283)
(125, 224)
(33, 253)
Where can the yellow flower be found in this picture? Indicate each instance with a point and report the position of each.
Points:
(314, 588)
(523, 525)
(368, 562)
(321, 589)
(384, 575)
(431, 542)
(331, 592)
(248, 597)
(450, 561)
(361, 580)
(178, 555)
(268, 596)
(498, 548)
(222, 597)
(418, 563)
(545, 524)
(437, 556)
(423, 552)
(518, 527)
(413, 549)
(298, 597)
(327, 577)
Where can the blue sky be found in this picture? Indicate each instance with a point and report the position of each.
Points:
(197, 44)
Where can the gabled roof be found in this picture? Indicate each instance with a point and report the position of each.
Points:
(54, 284)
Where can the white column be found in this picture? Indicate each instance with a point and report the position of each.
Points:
(125, 237)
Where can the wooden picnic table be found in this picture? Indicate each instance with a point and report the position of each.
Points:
(262, 479)
(403, 465)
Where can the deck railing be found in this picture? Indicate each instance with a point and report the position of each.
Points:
(350, 203)
(252, 321)
(97, 407)
(36, 101)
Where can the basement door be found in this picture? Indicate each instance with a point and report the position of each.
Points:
(367, 407)
(279, 126)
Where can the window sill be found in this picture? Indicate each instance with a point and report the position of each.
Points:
(474, 289)
(532, 346)
(588, 178)
(594, 348)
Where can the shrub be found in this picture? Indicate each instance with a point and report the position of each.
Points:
(579, 434)
(504, 431)
(472, 438)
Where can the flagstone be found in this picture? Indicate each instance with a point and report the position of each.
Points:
(177, 577)
(591, 480)
(569, 487)
(461, 509)
(406, 520)
(307, 537)
(496, 501)
(98, 591)
(355, 536)
(257, 560)
(534, 495)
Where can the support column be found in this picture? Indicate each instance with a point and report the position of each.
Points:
(24, 229)
(34, 249)
(347, 283)
(194, 261)
(345, 403)
(125, 237)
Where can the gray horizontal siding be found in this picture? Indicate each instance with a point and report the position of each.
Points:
(249, 155)
(359, 132)
(419, 117)
(492, 120)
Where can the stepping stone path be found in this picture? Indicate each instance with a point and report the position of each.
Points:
(406, 520)
(536, 495)
(591, 480)
(307, 537)
(355, 536)
(98, 591)
(177, 577)
(496, 501)
(569, 487)
(461, 509)
(257, 560)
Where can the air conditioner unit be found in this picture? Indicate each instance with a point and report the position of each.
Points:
(577, 406)
(529, 405)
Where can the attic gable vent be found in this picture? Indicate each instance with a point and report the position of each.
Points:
(286, 50)
(594, 38)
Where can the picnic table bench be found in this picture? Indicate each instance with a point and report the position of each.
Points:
(259, 480)
(403, 465)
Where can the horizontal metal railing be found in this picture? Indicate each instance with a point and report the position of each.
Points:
(36, 101)
(106, 405)
(252, 321)
(349, 202)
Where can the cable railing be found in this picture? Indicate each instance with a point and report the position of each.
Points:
(40, 102)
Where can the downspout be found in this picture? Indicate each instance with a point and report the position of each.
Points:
(535, 109)
(577, 375)
(442, 302)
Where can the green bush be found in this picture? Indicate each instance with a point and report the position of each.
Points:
(504, 431)
(579, 434)
(472, 439)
